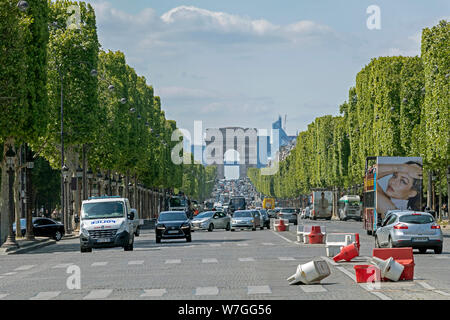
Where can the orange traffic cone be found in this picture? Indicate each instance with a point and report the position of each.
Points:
(347, 253)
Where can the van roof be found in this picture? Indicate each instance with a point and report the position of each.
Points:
(104, 199)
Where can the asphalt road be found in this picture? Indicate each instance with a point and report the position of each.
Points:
(215, 265)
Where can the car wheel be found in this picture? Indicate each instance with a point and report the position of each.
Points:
(57, 236)
(82, 249)
(188, 239)
(232, 230)
(369, 232)
(23, 233)
(438, 250)
(253, 229)
(138, 232)
(390, 244)
(422, 250)
(211, 227)
(158, 240)
(261, 228)
(228, 227)
(130, 246)
(377, 244)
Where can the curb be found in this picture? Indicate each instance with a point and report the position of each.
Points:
(40, 244)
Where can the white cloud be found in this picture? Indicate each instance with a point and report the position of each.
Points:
(184, 93)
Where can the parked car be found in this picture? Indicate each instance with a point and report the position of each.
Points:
(265, 218)
(173, 225)
(246, 219)
(211, 220)
(42, 227)
(418, 230)
(289, 214)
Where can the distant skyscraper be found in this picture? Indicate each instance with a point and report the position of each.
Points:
(284, 138)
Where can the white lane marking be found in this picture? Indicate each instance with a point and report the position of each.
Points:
(9, 273)
(62, 265)
(286, 258)
(171, 261)
(442, 292)
(348, 273)
(290, 241)
(99, 264)
(136, 262)
(154, 292)
(364, 285)
(267, 244)
(46, 295)
(206, 291)
(441, 257)
(246, 259)
(3, 295)
(259, 290)
(242, 244)
(214, 244)
(210, 260)
(331, 261)
(23, 268)
(313, 288)
(425, 285)
(98, 294)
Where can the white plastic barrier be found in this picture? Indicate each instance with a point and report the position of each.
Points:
(304, 234)
(310, 273)
(300, 233)
(334, 243)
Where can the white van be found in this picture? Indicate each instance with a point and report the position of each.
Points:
(107, 222)
(350, 207)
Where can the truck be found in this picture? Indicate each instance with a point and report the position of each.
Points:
(106, 222)
(390, 183)
(321, 205)
(349, 207)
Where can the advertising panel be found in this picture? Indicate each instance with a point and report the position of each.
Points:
(398, 184)
(323, 204)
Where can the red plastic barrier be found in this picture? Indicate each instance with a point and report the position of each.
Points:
(367, 273)
(281, 226)
(347, 253)
(315, 235)
(403, 256)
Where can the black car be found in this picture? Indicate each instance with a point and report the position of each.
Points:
(173, 225)
(43, 227)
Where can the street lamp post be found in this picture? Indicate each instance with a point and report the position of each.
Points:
(80, 174)
(99, 183)
(89, 175)
(64, 176)
(433, 192)
(11, 239)
(448, 190)
(29, 198)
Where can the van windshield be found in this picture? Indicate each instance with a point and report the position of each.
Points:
(99, 210)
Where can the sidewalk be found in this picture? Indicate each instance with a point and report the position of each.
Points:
(30, 245)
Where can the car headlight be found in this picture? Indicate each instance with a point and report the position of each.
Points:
(122, 227)
(185, 226)
(160, 227)
(84, 231)
(252, 221)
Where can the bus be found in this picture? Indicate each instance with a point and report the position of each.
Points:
(268, 203)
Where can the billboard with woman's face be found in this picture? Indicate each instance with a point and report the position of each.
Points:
(398, 184)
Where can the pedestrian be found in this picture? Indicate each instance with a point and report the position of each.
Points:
(445, 210)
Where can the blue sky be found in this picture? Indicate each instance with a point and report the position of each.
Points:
(242, 63)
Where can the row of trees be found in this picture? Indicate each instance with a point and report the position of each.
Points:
(51, 56)
(399, 107)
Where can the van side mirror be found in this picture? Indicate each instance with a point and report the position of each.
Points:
(132, 214)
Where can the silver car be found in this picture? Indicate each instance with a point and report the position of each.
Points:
(246, 219)
(418, 230)
(211, 220)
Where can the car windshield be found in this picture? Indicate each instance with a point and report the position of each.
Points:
(99, 210)
(416, 219)
(172, 216)
(177, 202)
(242, 214)
(287, 210)
(205, 215)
